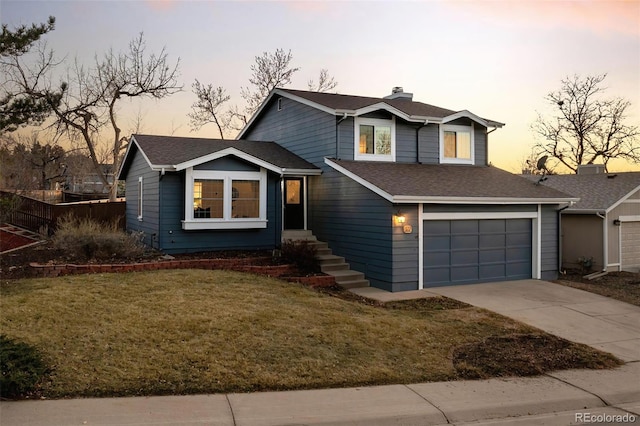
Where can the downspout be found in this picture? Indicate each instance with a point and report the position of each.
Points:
(426, 122)
(486, 147)
(344, 117)
(605, 241)
(560, 236)
(281, 208)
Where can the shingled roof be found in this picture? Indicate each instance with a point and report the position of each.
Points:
(598, 192)
(176, 153)
(411, 182)
(351, 105)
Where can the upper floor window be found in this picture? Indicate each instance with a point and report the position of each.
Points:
(375, 139)
(456, 144)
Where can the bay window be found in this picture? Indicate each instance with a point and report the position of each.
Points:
(225, 199)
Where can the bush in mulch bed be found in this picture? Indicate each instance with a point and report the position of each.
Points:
(525, 355)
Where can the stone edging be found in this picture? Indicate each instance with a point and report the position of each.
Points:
(234, 264)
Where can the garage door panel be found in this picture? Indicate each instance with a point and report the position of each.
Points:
(464, 274)
(476, 251)
(491, 256)
(630, 244)
(492, 272)
(437, 227)
(492, 240)
(464, 257)
(518, 254)
(440, 259)
(492, 226)
(518, 225)
(518, 239)
(438, 275)
(438, 243)
(464, 227)
(464, 241)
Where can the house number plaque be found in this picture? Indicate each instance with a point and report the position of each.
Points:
(407, 229)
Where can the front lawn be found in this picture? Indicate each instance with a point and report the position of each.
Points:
(623, 286)
(194, 331)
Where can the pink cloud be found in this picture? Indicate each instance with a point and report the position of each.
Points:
(599, 16)
(161, 5)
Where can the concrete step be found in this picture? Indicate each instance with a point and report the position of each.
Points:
(329, 259)
(298, 235)
(354, 284)
(334, 267)
(323, 252)
(346, 275)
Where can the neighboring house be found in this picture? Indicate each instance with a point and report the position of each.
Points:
(406, 194)
(604, 226)
(190, 194)
(401, 189)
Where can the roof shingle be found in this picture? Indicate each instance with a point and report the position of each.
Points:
(448, 181)
(171, 150)
(597, 192)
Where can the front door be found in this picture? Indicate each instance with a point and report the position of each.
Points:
(293, 203)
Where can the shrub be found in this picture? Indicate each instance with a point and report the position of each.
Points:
(21, 368)
(301, 254)
(85, 239)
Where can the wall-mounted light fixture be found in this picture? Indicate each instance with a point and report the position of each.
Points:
(616, 222)
(399, 219)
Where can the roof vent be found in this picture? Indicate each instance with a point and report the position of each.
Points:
(590, 169)
(399, 93)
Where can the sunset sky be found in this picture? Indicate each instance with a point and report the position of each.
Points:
(497, 59)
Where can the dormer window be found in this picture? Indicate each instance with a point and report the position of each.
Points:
(375, 139)
(456, 144)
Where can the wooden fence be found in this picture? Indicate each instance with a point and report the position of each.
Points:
(40, 216)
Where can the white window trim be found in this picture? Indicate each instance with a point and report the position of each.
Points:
(140, 201)
(373, 122)
(226, 222)
(457, 128)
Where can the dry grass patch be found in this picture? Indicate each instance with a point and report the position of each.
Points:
(193, 331)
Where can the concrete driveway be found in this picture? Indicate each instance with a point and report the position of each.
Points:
(573, 314)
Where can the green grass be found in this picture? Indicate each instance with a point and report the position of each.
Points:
(193, 331)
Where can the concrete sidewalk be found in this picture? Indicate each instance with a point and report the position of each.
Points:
(553, 399)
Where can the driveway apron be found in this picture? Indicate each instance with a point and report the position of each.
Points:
(576, 315)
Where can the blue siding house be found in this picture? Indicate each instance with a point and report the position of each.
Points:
(400, 189)
(193, 195)
(406, 193)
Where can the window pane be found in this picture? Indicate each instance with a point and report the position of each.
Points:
(366, 139)
(293, 192)
(208, 198)
(450, 144)
(464, 145)
(383, 140)
(246, 199)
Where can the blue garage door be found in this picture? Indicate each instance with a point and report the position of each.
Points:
(473, 251)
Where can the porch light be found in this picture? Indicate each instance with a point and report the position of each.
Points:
(400, 219)
(616, 222)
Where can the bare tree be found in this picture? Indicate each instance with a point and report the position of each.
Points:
(206, 109)
(587, 127)
(325, 82)
(89, 99)
(269, 71)
(30, 164)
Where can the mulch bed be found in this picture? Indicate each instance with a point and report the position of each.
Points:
(11, 241)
